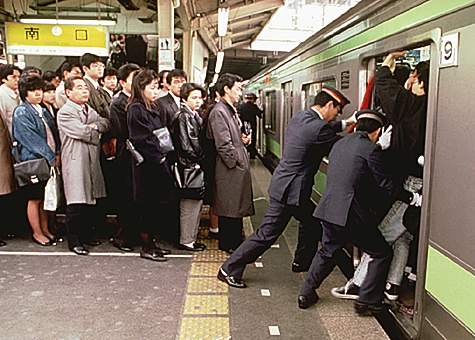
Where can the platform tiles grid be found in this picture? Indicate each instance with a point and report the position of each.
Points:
(206, 308)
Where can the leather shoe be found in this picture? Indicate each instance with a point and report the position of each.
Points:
(305, 301)
(3, 243)
(80, 250)
(163, 251)
(196, 247)
(121, 245)
(230, 280)
(93, 243)
(152, 255)
(46, 244)
(368, 309)
(298, 268)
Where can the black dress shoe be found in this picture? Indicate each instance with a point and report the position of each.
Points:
(307, 301)
(368, 309)
(153, 255)
(45, 244)
(121, 245)
(3, 243)
(299, 268)
(163, 251)
(80, 250)
(93, 243)
(230, 280)
(195, 247)
(201, 246)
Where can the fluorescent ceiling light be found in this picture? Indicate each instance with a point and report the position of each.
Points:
(68, 21)
(223, 15)
(219, 62)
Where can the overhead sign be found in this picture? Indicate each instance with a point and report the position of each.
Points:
(449, 50)
(66, 40)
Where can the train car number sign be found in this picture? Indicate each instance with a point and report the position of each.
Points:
(449, 50)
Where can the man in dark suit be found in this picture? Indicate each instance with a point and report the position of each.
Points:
(169, 105)
(356, 181)
(308, 138)
(249, 111)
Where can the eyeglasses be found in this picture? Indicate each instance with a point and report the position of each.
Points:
(98, 65)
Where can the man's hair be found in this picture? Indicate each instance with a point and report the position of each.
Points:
(423, 70)
(162, 74)
(187, 88)
(141, 80)
(7, 70)
(88, 58)
(175, 73)
(48, 86)
(68, 67)
(322, 98)
(49, 76)
(110, 71)
(29, 82)
(226, 79)
(69, 83)
(32, 70)
(367, 124)
(125, 70)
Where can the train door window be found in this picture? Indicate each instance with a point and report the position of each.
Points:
(271, 110)
(401, 291)
(309, 91)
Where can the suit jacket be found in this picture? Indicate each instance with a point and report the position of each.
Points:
(168, 110)
(356, 179)
(308, 139)
(98, 100)
(118, 114)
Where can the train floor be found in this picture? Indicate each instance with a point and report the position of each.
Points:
(50, 293)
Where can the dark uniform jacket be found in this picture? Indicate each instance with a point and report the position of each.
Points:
(308, 138)
(168, 110)
(356, 179)
(407, 114)
(118, 115)
(249, 112)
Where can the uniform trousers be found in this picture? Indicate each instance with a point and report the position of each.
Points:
(367, 238)
(80, 219)
(273, 225)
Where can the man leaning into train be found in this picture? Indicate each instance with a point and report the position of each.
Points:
(308, 138)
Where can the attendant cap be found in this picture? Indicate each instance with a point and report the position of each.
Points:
(378, 116)
(336, 95)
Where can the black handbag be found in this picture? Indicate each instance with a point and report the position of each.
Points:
(31, 172)
(189, 181)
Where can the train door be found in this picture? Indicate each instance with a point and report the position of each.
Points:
(402, 296)
(287, 109)
(260, 137)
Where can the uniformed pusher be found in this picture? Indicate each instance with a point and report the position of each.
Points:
(309, 137)
(356, 181)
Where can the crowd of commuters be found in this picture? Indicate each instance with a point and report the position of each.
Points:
(130, 141)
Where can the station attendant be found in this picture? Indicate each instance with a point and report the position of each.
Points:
(309, 137)
(346, 210)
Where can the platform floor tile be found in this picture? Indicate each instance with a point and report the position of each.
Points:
(206, 285)
(199, 328)
(205, 268)
(206, 305)
(211, 256)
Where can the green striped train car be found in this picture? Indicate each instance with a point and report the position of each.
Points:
(345, 55)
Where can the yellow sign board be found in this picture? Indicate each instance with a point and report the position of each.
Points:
(62, 40)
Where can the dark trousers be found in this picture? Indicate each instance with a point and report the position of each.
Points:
(273, 225)
(80, 220)
(369, 239)
(230, 232)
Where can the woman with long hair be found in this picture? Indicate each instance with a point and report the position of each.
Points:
(152, 181)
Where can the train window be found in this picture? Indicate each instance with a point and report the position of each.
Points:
(271, 110)
(309, 91)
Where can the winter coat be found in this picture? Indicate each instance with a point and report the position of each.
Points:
(7, 180)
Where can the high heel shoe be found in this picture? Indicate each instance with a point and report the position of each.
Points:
(56, 239)
(47, 244)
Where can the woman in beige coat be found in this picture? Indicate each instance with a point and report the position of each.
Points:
(7, 183)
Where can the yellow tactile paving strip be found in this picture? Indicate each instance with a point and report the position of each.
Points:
(206, 309)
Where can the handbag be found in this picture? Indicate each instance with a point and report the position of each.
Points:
(52, 191)
(29, 172)
(164, 140)
(190, 181)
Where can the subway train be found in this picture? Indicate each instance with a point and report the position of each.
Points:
(346, 55)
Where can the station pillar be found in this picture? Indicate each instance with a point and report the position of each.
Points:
(166, 36)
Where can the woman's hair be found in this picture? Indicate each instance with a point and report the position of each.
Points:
(49, 86)
(140, 81)
(187, 88)
(29, 82)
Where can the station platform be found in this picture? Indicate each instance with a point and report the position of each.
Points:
(55, 294)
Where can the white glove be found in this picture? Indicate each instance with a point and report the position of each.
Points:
(385, 139)
(420, 161)
(416, 199)
(352, 119)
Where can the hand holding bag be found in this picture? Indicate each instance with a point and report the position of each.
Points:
(164, 139)
(52, 191)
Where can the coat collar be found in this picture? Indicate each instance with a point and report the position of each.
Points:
(12, 94)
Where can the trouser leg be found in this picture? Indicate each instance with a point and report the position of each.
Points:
(309, 233)
(78, 221)
(190, 213)
(230, 232)
(273, 224)
(400, 256)
(333, 239)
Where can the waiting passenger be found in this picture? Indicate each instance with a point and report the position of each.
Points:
(152, 179)
(67, 70)
(233, 183)
(164, 86)
(249, 112)
(309, 136)
(93, 69)
(80, 128)
(36, 135)
(169, 105)
(121, 187)
(9, 99)
(190, 155)
(32, 70)
(51, 77)
(49, 99)
(109, 82)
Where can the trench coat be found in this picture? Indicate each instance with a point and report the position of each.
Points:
(7, 180)
(82, 175)
(233, 185)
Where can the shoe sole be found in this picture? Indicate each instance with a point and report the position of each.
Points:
(343, 296)
(391, 297)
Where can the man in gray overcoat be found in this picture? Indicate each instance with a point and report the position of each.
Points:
(233, 186)
(80, 129)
